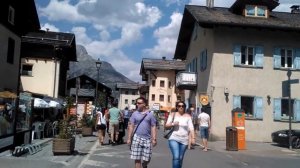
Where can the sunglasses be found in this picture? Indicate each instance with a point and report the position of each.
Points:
(180, 106)
(139, 103)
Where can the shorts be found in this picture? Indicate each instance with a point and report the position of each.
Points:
(113, 128)
(204, 132)
(141, 148)
(101, 127)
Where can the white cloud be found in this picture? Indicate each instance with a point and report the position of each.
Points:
(50, 27)
(81, 36)
(61, 10)
(166, 39)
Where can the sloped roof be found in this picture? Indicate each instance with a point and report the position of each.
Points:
(127, 86)
(211, 17)
(162, 64)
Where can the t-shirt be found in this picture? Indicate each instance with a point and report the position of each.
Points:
(114, 115)
(144, 129)
(204, 119)
(181, 132)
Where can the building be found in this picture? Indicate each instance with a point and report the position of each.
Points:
(17, 18)
(128, 93)
(159, 75)
(242, 56)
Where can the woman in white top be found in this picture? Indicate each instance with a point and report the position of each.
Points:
(101, 126)
(183, 126)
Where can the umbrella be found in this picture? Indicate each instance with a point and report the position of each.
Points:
(40, 103)
(8, 94)
(53, 103)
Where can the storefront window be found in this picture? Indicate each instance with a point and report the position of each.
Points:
(24, 112)
(6, 116)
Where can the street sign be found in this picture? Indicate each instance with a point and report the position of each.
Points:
(286, 86)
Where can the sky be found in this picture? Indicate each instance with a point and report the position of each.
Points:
(123, 32)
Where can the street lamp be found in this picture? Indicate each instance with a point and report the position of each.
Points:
(98, 65)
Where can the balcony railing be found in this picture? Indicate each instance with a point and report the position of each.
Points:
(186, 80)
(83, 92)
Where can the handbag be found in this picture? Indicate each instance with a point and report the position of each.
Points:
(170, 131)
(131, 138)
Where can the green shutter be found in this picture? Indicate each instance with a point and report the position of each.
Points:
(277, 58)
(277, 109)
(258, 107)
(259, 56)
(297, 59)
(237, 54)
(297, 110)
(236, 102)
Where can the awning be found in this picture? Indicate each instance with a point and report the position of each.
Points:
(8, 94)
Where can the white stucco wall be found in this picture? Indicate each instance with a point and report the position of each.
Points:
(43, 76)
(165, 75)
(130, 97)
(244, 81)
(9, 72)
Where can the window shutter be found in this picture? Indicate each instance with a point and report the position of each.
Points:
(277, 109)
(297, 110)
(236, 102)
(258, 107)
(277, 58)
(297, 59)
(259, 56)
(237, 54)
(204, 59)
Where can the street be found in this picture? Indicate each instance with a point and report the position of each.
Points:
(89, 155)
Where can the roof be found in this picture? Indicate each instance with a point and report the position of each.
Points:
(73, 77)
(212, 17)
(162, 64)
(127, 86)
(57, 40)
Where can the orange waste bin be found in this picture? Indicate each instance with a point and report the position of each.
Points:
(241, 138)
(238, 117)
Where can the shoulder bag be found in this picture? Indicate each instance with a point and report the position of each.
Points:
(136, 129)
(170, 131)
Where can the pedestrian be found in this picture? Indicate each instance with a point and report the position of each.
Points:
(114, 117)
(194, 115)
(126, 117)
(183, 127)
(100, 126)
(141, 134)
(205, 124)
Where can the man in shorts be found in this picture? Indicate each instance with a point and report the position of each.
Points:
(114, 117)
(204, 122)
(144, 138)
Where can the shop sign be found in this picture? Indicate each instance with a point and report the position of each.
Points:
(204, 100)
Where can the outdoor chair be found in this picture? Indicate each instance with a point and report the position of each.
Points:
(54, 128)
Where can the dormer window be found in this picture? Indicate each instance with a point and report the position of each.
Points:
(11, 15)
(256, 11)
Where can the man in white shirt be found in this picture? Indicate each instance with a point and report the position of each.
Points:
(204, 122)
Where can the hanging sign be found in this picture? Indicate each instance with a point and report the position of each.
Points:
(204, 100)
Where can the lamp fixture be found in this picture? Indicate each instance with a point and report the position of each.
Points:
(226, 93)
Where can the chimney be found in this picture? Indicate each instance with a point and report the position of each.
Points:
(210, 3)
(295, 9)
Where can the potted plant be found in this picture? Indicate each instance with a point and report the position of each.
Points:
(87, 123)
(64, 142)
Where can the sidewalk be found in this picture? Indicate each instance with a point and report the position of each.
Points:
(256, 148)
(82, 147)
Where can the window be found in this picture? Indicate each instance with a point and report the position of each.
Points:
(286, 58)
(11, 15)
(162, 83)
(178, 98)
(161, 98)
(10, 51)
(170, 84)
(133, 93)
(281, 109)
(253, 106)
(203, 60)
(132, 101)
(153, 97)
(27, 70)
(169, 98)
(126, 101)
(153, 83)
(245, 55)
(126, 92)
(255, 11)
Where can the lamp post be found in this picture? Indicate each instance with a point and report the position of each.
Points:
(98, 65)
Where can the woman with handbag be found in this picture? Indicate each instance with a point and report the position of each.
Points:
(182, 126)
(100, 127)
